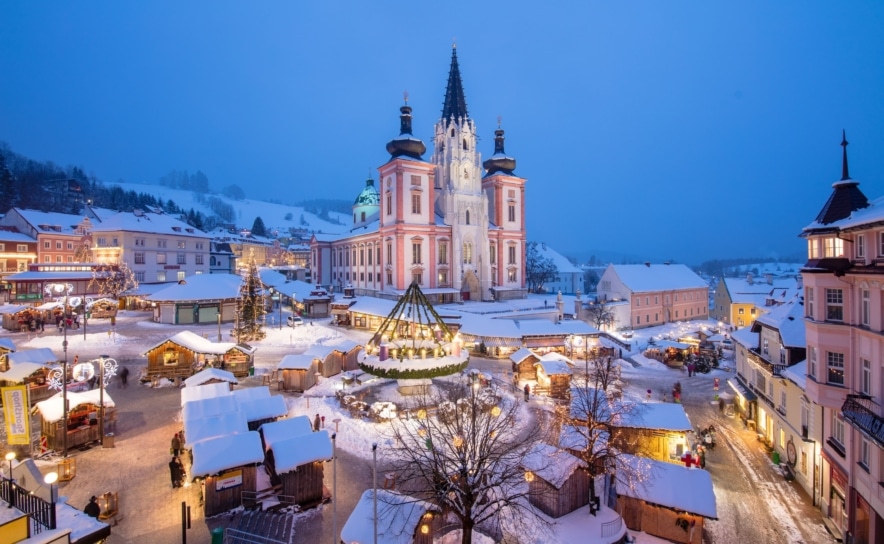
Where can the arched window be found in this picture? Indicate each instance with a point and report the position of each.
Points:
(465, 147)
(468, 217)
(452, 132)
(467, 253)
(363, 216)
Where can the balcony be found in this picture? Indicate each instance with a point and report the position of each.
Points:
(858, 411)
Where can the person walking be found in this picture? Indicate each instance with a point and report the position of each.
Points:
(176, 471)
(316, 423)
(92, 509)
(176, 445)
(527, 391)
(720, 405)
(124, 376)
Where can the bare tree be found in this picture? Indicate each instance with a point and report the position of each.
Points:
(112, 280)
(539, 270)
(467, 457)
(600, 314)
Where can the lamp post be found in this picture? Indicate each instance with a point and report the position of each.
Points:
(102, 360)
(50, 480)
(374, 494)
(219, 322)
(9, 457)
(279, 294)
(64, 374)
(334, 488)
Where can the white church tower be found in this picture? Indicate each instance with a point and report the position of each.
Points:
(460, 198)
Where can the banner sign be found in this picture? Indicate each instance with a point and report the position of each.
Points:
(15, 411)
(228, 480)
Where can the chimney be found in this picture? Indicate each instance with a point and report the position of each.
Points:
(799, 280)
(648, 264)
(749, 278)
(768, 278)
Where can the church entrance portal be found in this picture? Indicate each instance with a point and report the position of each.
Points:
(470, 288)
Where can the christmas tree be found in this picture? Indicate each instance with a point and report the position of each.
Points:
(251, 307)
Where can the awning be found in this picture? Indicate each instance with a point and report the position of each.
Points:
(740, 390)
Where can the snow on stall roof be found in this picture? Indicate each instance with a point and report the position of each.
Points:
(552, 464)
(397, 520)
(640, 278)
(39, 355)
(196, 344)
(209, 407)
(52, 409)
(673, 486)
(283, 429)
(199, 429)
(655, 415)
(200, 287)
(264, 408)
(797, 373)
(208, 374)
(207, 391)
(12, 308)
(521, 354)
(21, 371)
(251, 393)
(575, 438)
(80, 523)
(293, 452)
(221, 453)
(664, 344)
(7, 343)
(319, 351)
(553, 367)
(296, 362)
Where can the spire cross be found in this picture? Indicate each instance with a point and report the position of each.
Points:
(405, 96)
(844, 172)
(499, 119)
(454, 42)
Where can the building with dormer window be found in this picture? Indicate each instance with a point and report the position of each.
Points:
(454, 224)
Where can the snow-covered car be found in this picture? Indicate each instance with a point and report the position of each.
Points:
(294, 321)
(727, 343)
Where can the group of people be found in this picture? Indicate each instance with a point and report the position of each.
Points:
(176, 466)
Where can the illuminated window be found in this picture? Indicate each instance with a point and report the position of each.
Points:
(835, 365)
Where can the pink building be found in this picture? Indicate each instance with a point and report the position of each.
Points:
(844, 311)
(453, 224)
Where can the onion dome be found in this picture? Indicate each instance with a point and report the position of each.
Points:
(405, 145)
(369, 195)
(499, 162)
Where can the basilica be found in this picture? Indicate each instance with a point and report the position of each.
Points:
(452, 224)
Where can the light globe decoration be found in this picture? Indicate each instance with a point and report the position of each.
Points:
(413, 342)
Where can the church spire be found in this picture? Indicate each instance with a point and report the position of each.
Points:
(455, 104)
(844, 173)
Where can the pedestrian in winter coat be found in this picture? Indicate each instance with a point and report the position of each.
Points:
(176, 471)
(527, 391)
(316, 423)
(176, 444)
(92, 509)
(124, 376)
(181, 437)
(720, 405)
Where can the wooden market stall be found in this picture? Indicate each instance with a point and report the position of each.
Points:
(211, 375)
(15, 316)
(557, 481)
(413, 520)
(523, 364)
(283, 429)
(81, 425)
(553, 374)
(298, 372)
(32, 368)
(103, 308)
(657, 430)
(668, 352)
(226, 467)
(259, 407)
(658, 508)
(185, 353)
(297, 464)
(6, 346)
(350, 354)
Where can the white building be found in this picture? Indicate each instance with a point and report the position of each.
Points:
(570, 278)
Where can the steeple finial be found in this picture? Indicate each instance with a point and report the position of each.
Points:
(455, 104)
(499, 120)
(844, 173)
(405, 96)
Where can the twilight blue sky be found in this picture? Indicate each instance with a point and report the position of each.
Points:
(660, 130)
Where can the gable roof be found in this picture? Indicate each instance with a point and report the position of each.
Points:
(552, 464)
(200, 287)
(397, 519)
(670, 485)
(214, 455)
(640, 278)
(788, 320)
(295, 451)
(149, 223)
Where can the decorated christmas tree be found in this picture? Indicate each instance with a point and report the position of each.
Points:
(250, 306)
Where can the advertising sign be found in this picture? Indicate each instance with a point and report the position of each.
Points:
(15, 411)
(228, 480)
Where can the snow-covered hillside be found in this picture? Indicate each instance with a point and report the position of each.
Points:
(273, 215)
(775, 269)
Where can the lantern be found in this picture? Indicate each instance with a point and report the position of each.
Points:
(67, 469)
(529, 476)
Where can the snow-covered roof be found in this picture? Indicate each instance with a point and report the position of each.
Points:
(20, 237)
(757, 292)
(552, 464)
(215, 455)
(664, 344)
(200, 287)
(207, 391)
(13, 308)
(589, 401)
(38, 220)
(148, 289)
(209, 374)
(198, 344)
(247, 394)
(293, 452)
(38, 355)
(52, 409)
(151, 223)
(202, 428)
(873, 213)
(673, 486)
(665, 416)
(521, 354)
(745, 337)
(576, 438)
(563, 265)
(7, 343)
(300, 361)
(553, 366)
(265, 408)
(283, 429)
(797, 374)
(20, 371)
(788, 320)
(203, 408)
(640, 278)
(397, 520)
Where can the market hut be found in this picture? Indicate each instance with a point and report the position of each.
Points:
(15, 318)
(211, 375)
(103, 308)
(6, 346)
(656, 430)
(33, 375)
(184, 353)
(553, 372)
(558, 483)
(523, 363)
(298, 372)
(211, 418)
(82, 422)
(349, 353)
(283, 429)
(208, 391)
(668, 352)
(226, 467)
(401, 519)
(673, 503)
(263, 410)
(297, 464)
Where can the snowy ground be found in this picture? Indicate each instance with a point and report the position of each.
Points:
(755, 504)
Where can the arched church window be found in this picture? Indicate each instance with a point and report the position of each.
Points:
(467, 253)
(452, 133)
(468, 217)
(465, 147)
